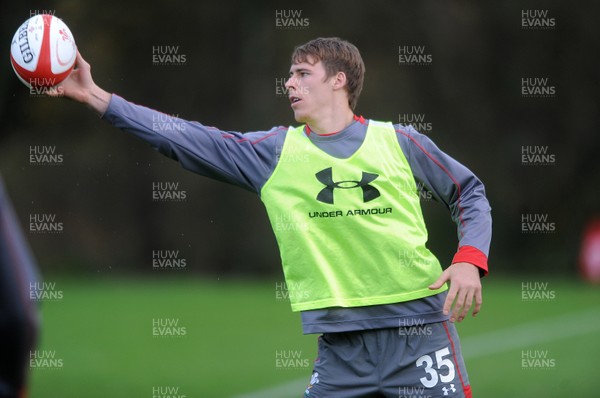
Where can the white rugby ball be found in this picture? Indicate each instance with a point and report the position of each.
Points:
(43, 51)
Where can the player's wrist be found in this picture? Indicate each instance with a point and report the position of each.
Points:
(472, 255)
(97, 100)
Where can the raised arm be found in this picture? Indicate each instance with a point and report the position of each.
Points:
(245, 160)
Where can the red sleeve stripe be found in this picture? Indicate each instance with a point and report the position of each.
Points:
(255, 141)
(466, 388)
(471, 255)
(460, 209)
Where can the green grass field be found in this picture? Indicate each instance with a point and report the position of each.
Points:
(231, 334)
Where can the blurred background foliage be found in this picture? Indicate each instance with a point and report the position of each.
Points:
(471, 94)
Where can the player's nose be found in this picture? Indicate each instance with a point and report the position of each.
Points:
(290, 83)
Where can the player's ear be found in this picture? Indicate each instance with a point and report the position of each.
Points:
(339, 80)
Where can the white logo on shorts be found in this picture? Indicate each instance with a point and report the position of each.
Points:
(445, 390)
(314, 379)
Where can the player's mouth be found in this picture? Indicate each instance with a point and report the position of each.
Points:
(294, 100)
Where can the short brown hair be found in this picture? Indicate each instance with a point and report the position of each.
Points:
(337, 55)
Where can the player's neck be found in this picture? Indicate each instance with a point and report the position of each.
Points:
(332, 122)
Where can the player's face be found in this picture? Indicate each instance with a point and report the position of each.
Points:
(309, 92)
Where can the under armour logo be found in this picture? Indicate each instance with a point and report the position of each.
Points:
(445, 390)
(326, 178)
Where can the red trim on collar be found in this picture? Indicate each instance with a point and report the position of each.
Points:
(359, 119)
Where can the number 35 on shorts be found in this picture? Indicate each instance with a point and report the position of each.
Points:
(438, 369)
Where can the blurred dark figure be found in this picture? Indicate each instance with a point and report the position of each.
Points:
(589, 256)
(19, 320)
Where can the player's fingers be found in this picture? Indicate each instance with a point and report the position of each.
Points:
(80, 61)
(460, 302)
(81, 64)
(467, 305)
(440, 281)
(449, 299)
(478, 302)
